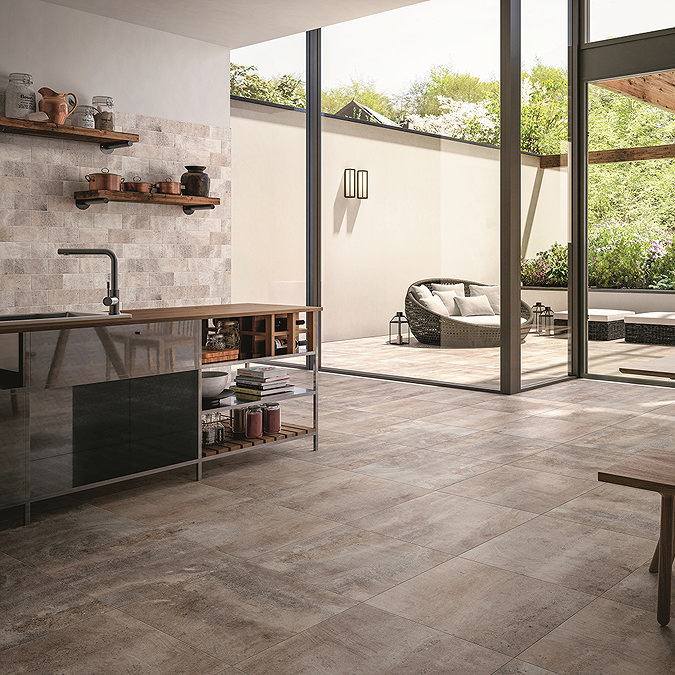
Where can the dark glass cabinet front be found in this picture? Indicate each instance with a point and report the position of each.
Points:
(111, 402)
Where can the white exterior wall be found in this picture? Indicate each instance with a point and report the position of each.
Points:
(433, 210)
(145, 71)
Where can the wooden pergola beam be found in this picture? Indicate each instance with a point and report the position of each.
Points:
(608, 156)
(657, 89)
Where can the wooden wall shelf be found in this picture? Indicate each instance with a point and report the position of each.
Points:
(190, 204)
(107, 140)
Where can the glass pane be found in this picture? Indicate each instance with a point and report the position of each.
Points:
(631, 221)
(418, 110)
(268, 172)
(544, 174)
(616, 18)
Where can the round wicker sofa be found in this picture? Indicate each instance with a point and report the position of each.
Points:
(429, 327)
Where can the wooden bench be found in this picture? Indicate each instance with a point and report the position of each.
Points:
(653, 470)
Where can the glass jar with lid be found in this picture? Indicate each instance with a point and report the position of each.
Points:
(20, 98)
(104, 117)
(83, 116)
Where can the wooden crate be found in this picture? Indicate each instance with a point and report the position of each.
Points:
(209, 356)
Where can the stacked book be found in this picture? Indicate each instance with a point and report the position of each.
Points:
(261, 382)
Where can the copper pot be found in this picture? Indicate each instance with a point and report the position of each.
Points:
(168, 187)
(137, 185)
(104, 181)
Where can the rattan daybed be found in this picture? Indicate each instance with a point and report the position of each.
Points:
(447, 331)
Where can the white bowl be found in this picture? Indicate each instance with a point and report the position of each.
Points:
(213, 382)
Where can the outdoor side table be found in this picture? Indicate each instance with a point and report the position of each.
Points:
(653, 470)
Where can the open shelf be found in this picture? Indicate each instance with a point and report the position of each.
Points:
(108, 140)
(189, 203)
(232, 442)
(228, 402)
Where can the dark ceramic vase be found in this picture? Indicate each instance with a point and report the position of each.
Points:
(195, 182)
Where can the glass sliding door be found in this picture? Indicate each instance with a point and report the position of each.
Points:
(631, 221)
(411, 102)
(545, 233)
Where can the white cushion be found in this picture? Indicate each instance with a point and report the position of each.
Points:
(435, 304)
(492, 293)
(448, 298)
(458, 288)
(600, 315)
(493, 320)
(421, 291)
(476, 306)
(657, 318)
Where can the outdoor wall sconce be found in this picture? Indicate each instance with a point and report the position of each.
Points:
(362, 184)
(350, 183)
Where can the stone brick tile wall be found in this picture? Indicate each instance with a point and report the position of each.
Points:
(166, 258)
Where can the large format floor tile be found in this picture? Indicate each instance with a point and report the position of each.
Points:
(444, 522)
(352, 562)
(606, 638)
(346, 496)
(110, 643)
(427, 468)
(64, 532)
(32, 604)
(250, 529)
(617, 508)
(486, 605)
(526, 489)
(566, 553)
(368, 641)
(167, 504)
(499, 448)
(238, 611)
(136, 567)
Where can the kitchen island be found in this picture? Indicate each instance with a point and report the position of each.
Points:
(90, 400)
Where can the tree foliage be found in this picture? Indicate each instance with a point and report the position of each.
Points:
(429, 96)
(285, 89)
(365, 93)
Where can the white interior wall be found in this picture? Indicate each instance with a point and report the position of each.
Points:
(433, 210)
(145, 71)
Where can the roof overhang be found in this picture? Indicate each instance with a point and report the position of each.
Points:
(234, 23)
(657, 89)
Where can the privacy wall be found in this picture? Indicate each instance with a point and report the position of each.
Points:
(432, 211)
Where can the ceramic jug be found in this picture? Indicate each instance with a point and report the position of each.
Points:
(56, 105)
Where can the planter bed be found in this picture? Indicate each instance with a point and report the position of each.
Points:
(603, 324)
(652, 328)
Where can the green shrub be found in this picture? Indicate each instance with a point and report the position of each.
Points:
(619, 256)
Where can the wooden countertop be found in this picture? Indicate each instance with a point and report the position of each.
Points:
(152, 315)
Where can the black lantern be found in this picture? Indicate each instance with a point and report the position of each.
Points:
(399, 330)
(547, 321)
(537, 311)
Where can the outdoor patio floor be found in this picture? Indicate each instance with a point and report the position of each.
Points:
(543, 358)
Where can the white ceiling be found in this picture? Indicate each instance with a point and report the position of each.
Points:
(234, 23)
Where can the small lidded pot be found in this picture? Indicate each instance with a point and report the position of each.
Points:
(137, 185)
(104, 181)
(168, 187)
